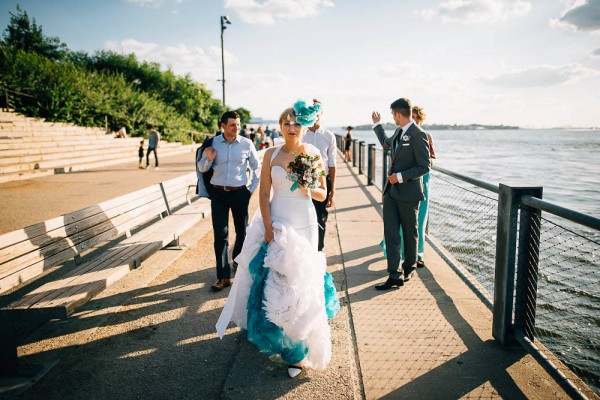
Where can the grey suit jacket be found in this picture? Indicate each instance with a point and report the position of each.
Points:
(411, 159)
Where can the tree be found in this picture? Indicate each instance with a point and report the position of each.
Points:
(245, 115)
(25, 34)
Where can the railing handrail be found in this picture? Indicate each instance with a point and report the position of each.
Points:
(554, 209)
(476, 182)
(566, 213)
(16, 92)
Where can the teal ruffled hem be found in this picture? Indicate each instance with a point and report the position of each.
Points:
(332, 304)
(268, 337)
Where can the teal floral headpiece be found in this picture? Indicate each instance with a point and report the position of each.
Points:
(306, 115)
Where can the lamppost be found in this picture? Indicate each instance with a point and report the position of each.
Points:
(224, 22)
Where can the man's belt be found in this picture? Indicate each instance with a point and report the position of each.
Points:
(228, 188)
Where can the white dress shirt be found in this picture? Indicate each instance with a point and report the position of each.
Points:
(231, 162)
(324, 140)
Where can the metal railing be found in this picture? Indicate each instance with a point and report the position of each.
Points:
(537, 274)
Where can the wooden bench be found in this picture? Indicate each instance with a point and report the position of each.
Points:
(102, 234)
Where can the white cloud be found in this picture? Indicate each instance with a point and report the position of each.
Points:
(541, 76)
(596, 53)
(582, 15)
(477, 11)
(254, 12)
(204, 64)
(149, 3)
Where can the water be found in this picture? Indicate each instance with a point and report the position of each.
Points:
(565, 162)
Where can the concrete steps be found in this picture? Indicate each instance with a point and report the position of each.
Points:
(65, 168)
(31, 148)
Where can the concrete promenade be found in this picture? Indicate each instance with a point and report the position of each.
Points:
(151, 335)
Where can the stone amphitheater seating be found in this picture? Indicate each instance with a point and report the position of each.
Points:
(31, 147)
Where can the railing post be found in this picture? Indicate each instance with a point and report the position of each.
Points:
(354, 141)
(384, 170)
(527, 267)
(370, 163)
(506, 243)
(361, 144)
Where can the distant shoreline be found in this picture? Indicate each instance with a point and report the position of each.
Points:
(446, 127)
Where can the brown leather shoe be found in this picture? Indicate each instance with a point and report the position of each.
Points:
(221, 284)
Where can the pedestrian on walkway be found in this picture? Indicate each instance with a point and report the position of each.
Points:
(324, 140)
(274, 136)
(141, 155)
(418, 115)
(403, 190)
(153, 143)
(230, 156)
(347, 144)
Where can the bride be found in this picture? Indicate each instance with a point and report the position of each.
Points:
(282, 294)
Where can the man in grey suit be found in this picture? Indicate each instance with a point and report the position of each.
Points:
(403, 190)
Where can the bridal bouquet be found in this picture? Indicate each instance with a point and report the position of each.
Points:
(305, 171)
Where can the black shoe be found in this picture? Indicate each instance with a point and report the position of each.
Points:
(408, 273)
(420, 264)
(390, 283)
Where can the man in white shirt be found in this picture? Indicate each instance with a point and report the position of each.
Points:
(324, 140)
(230, 156)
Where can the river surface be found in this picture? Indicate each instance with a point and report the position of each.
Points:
(565, 162)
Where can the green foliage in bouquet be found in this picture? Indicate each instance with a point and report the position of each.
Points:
(305, 171)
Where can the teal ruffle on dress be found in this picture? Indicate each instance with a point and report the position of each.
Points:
(268, 337)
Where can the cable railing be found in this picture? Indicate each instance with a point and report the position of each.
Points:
(538, 275)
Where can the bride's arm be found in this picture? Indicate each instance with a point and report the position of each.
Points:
(264, 195)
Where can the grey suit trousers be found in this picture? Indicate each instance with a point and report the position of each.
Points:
(398, 214)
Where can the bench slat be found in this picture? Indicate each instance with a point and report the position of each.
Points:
(43, 292)
(92, 216)
(33, 266)
(86, 239)
(33, 231)
(91, 278)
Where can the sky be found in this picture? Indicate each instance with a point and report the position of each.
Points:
(534, 64)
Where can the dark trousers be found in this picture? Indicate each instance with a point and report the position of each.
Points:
(400, 214)
(221, 202)
(322, 213)
(151, 150)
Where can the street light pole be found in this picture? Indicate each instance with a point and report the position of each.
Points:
(224, 21)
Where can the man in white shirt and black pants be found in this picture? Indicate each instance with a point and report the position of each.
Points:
(324, 140)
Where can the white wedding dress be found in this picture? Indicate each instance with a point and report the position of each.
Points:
(294, 286)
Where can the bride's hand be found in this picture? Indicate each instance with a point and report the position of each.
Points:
(269, 234)
(303, 189)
